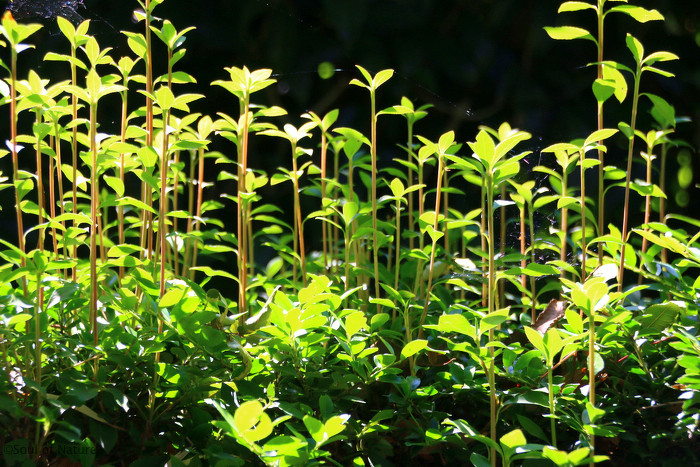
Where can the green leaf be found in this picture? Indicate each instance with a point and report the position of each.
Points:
(19, 319)
(251, 422)
(413, 347)
(315, 428)
(478, 460)
(603, 89)
(558, 457)
(172, 297)
(640, 14)
(574, 6)
(568, 33)
(610, 73)
(334, 426)
(213, 272)
(397, 187)
(659, 57)
(116, 184)
(494, 319)
(536, 340)
(658, 317)
(484, 147)
(453, 323)
(532, 428)
(599, 135)
(285, 445)
(129, 201)
(535, 270)
(513, 439)
(635, 47)
(646, 189)
(354, 323)
(382, 77)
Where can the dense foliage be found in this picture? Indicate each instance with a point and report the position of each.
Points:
(416, 333)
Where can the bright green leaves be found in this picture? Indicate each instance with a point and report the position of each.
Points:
(251, 422)
(484, 148)
(170, 36)
(581, 456)
(372, 83)
(248, 425)
(611, 84)
(565, 150)
(657, 318)
(575, 6)
(323, 433)
(640, 14)
(166, 100)
(16, 32)
(413, 347)
(399, 191)
(489, 160)
(76, 36)
(511, 447)
(444, 146)
(96, 87)
(243, 82)
(644, 63)
(591, 296)
(550, 344)
(569, 33)
(491, 156)
(292, 133)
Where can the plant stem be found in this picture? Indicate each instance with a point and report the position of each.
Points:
(242, 217)
(146, 191)
(122, 139)
(591, 370)
(39, 184)
(552, 420)
(662, 200)
(324, 230)
(163, 207)
(299, 226)
(200, 187)
(446, 210)
(15, 161)
(533, 296)
(502, 233)
(630, 153)
(485, 287)
(601, 153)
(434, 247)
(564, 229)
(584, 246)
(375, 243)
(491, 308)
(398, 247)
(94, 195)
(409, 181)
(74, 151)
(647, 206)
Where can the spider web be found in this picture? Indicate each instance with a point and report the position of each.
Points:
(47, 9)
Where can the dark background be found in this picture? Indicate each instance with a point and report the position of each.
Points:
(478, 62)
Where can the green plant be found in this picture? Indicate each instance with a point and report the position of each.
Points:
(609, 81)
(122, 338)
(642, 64)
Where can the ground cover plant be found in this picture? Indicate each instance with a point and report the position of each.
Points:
(414, 334)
